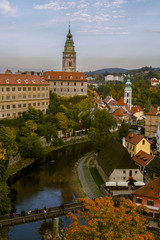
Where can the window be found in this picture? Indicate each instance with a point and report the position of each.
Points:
(54, 89)
(2, 107)
(8, 106)
(13, 97)
(68, 90)
(34, 104)
(34, 89)
(42, 103)
(143, 142)
(8, 114)
(39, 95)
(24, 95)
(19, 89)
(13, 89)
(82, 84)
(2, 97)
(42, 88)
(81, 90)
(136, 172)
(74, 90)
(34, 96)
(124, 171)
(61, 83)
(38, 88)
(38, 104)
(29, 89)
(19, 113)
(61, 89)
(24, 105)
(29, 95)
(24, 89)
(29, 104)
(19, 96)
(150, 202)
(7, 89)
(74, 84)
(68, 83)
(138, 200)
(14, 106)
(43, 95)
(54, 83)
(8, 97)
(19, 105)
(2, 89)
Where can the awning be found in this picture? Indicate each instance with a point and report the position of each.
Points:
(110, 184)
(139, 183)
(122, 184)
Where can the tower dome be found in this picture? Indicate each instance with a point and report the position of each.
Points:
(128, 92)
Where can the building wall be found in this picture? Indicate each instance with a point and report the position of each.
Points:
(68, 88)
(152, 209)
(138, 114)
(151, 124)
(122, 175)
(15, 99)
(134, 149)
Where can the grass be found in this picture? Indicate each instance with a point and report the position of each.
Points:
(95, 174)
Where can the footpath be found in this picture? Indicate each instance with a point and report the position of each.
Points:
(88, 184)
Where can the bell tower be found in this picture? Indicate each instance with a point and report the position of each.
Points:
(69, 54)
(128, 92)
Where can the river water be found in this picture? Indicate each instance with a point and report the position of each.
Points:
(46, 185)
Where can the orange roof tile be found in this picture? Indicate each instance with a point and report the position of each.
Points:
(153, 111)
(120, 112)
(143, 158)
(95, 94)
(122, 103)
(134, 138)
(21, 79)
(136, 108)
(65, 76)
(151, 189)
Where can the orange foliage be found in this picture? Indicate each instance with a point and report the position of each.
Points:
(101, 220)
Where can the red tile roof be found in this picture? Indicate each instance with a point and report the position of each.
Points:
(120, 112)
(150, 190)
(65, 76)
(99, 101)
(134, 138)
(153, 111)
(112, 103)
(95, 94)
(122, 103)
(21, 79)
(136, 108)
(143, 158)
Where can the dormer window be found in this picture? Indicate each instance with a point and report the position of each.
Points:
(18, 80)
(59, 77)
(71, 77)
(81, 77)
(42, 81)
(48, 76)
(7, 80)
(33, 81)
(26, 80)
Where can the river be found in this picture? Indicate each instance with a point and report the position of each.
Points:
(45, 185)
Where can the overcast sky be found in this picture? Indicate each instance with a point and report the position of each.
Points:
(106, 33)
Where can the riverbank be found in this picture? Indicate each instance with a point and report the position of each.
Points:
(23, 164)
(83, 183)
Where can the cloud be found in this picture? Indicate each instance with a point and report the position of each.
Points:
(52, 5)
(6, 8)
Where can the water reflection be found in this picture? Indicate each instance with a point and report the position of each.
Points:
(46, 185)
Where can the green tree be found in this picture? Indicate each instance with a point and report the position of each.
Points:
(29, 128)
(32, 114)
(2, 161)
(4, 199)
(123, 130)
(100, 129)
(30, 147)
(48, 130)
(62, 120)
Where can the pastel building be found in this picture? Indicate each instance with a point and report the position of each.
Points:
(18, 92)
(134, 143)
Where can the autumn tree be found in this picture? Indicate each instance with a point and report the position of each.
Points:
(8, 140)
(2, 160)
(101, 220)
(4, 199)
(29, 128)
(32, 114)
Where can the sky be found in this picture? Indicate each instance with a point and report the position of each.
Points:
(106, 33)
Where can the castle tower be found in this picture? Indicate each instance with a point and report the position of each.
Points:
(69, 55)
(128, 92)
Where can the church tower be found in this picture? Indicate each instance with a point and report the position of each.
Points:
(128, 92)
(69, 55)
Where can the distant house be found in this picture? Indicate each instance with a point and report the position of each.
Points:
(113, 78)
(134, 143)
(121, 114)
(151, 122)
(148, 195)
(114, 164)
(153, 167)
(154, 82)
(111, 103)
(137, 112)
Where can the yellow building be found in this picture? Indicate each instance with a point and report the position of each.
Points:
(151, 122)
(18, 92)
(134, 143)
(67, 84)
